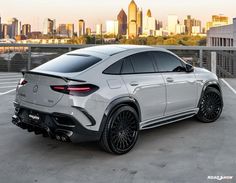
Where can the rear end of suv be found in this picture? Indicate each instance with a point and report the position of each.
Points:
(52, 102)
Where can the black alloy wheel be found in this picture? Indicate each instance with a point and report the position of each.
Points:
(121, 131)
(211, 105)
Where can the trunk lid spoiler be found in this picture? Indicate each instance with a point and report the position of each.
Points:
(66, 79)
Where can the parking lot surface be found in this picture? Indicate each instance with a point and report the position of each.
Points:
(182, 152)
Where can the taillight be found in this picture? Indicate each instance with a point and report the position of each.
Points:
(78, 90)
(22, 82)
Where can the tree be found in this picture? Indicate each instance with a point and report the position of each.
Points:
(151, 40)
(159, 40)
(170, 41)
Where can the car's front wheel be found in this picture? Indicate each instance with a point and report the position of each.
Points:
(121, 131)
(210, 106)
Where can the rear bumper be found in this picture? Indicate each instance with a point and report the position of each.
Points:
(55, 125)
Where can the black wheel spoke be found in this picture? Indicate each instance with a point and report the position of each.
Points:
(211, 105)
(123, 130)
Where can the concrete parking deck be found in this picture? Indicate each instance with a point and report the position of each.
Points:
(8, 82)
(183, 152)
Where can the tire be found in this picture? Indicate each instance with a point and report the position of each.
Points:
(210, 106)
(121, 131)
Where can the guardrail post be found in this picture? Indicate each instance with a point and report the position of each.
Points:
(201, 58)
(29, 58)
(8, 61)
(213, 62)
(69, 48)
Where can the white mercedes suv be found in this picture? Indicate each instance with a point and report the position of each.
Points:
(109, 93)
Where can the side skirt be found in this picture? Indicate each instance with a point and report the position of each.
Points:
(167, 119)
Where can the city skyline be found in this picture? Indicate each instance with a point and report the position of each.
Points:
(80, 10)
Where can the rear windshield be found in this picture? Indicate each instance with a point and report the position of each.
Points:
(69, 63)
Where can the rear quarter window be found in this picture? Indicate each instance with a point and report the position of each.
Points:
(127, 67)
(69, 63)
(114, 69)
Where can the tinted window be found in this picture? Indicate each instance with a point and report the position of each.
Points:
(143, 63)
(114, 68)
(167, 62)
(69, 63)
(127, 67)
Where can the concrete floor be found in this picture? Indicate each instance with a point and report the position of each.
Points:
(183, 152)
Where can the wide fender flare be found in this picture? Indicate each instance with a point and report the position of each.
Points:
(207, 84)
(115, 104)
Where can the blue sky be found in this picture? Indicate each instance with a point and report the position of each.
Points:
(97, 11)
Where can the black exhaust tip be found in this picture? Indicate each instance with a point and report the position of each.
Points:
(58, 137)
(62, 137)
(15, 120)
(65, 138)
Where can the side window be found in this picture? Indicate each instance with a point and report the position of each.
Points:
(166, 62)
(143, 63)
(127, 67)
(114, 68)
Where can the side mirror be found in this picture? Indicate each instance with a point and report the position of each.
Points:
(189, 68)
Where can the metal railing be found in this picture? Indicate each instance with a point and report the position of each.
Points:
(18, 57)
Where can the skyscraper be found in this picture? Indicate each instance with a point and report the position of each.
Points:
(159, 25)
(81, 28)
(217, 20)
(13, 27)
(0, 28)
(140, 21)
(112, 27)
(179, 28)
(191, 25)
(150, 23)
(99, 29)
(62, 31)
(196, 30)
(188, 25)
(26, 29)
(5, 31)
(132, 19)
(19, 29)
(70, 29)
(54, 28)
(122, 22)
(172, 22)
(49, 26)
(88, 31)
(149, 14)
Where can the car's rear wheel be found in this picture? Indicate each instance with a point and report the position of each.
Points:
(210, 106)
(121, 131)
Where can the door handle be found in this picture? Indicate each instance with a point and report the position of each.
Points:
(169, 80)
(134, 83)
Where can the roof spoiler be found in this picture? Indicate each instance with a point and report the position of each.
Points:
(66, 79)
